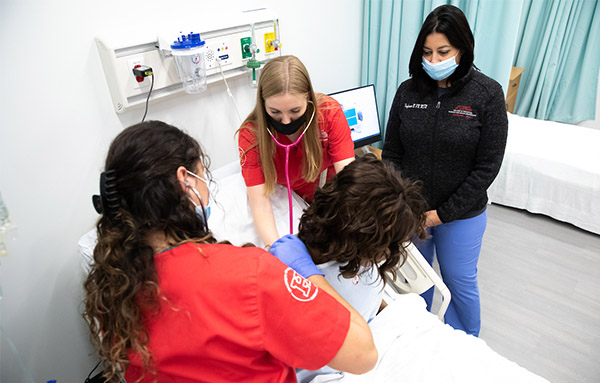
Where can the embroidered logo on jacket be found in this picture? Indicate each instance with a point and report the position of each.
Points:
(300, 288)
(462, 111)
(415, 106)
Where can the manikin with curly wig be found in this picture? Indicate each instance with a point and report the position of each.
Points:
(357, 229)
(165, 302)
(359, 225)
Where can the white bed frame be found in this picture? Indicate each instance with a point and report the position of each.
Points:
(419, 277)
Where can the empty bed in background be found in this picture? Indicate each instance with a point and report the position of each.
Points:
(553, 169)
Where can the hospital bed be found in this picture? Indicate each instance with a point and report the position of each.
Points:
(553, 169)
(413, 344)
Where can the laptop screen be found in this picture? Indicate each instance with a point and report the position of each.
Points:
(360, 107)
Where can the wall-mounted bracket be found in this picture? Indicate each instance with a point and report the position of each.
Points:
(119, 56)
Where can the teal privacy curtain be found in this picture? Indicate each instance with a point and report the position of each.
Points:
(390, 29)
(560, 51)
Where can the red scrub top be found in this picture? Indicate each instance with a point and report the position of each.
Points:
(233, 314)
(335, 139)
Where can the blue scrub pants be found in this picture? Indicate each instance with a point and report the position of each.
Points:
(457, 245)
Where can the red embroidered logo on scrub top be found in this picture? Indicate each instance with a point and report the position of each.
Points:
(323, 136)
(300, 288)
(242, 156)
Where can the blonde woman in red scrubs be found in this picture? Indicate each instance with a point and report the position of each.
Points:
(290, 138)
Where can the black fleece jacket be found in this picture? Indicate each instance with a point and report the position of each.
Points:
(453, 144)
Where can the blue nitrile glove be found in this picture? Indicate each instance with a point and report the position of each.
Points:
(291, 251)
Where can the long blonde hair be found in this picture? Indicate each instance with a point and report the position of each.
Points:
(285, 74)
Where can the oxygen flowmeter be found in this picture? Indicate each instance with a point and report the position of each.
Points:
(252, 64)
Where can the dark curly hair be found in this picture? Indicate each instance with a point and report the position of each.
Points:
(122, 281)
(364, 216)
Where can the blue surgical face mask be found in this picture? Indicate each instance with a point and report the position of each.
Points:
(200, 209)
(200, 212)
(441, 70)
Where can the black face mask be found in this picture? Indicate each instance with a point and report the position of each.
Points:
(287, 129)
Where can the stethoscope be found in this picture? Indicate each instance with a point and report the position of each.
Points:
(287, 169)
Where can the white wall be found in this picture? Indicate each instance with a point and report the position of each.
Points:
(57, 123)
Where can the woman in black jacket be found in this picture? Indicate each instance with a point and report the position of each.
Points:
(447, 129)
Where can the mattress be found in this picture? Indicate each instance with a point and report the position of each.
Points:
(553, 169)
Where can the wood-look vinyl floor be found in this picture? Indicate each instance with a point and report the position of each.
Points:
(539, 282)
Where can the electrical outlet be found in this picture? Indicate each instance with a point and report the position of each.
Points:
(131, 63)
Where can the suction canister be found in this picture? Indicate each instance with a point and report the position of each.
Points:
(188, 52)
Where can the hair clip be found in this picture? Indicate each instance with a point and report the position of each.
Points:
(108, 202)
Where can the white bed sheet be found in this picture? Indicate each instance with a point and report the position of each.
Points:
(414, 346)
(553, 169)
(237, 226)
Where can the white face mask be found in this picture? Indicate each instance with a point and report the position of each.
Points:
(200, 209)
